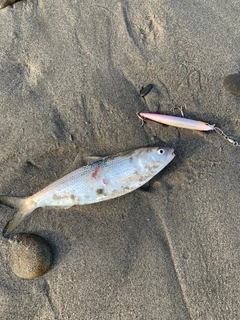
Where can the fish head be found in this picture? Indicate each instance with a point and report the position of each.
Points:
(155, 159)
(162, 154)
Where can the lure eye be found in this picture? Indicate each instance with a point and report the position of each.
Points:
(161, 151)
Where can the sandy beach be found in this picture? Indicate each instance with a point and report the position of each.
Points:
(70, 78)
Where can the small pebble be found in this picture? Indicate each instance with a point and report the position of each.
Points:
(145, 90)
(232, 84)
(30, 255)
(5, 3)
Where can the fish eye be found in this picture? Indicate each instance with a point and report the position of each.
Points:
(161, 151)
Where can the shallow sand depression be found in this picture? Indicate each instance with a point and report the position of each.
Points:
(70, 78)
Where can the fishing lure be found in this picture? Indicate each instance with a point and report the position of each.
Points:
(185, 123)
(176, 121)
(104, 179)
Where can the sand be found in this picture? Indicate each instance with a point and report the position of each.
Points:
(70, 77)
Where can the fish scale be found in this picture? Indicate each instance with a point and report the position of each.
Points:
(105, 179)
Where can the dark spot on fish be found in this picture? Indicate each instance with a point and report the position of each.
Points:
(99, 191)
(145, 90)
(145, 187)
(232, 84)
(5, 3)
(72, 196)
(131, 159)
(56, 197)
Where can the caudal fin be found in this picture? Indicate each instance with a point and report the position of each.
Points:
(24, 209)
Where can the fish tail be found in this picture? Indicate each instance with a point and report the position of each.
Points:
(24, 209)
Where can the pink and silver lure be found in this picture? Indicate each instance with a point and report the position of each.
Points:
(177, 121)
(185, 123)
(105, 179)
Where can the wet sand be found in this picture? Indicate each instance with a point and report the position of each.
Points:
(70, 78)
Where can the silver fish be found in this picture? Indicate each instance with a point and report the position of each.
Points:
(104, 179)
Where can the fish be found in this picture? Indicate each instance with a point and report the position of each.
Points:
(177, 121)
(105, 179)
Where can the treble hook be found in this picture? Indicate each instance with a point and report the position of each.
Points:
(141, 118)
(181, 110)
